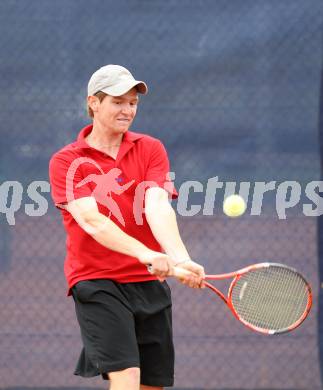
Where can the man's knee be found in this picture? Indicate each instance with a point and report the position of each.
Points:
(125, 379)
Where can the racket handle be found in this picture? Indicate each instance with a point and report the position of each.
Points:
(179, 273)
(176, 272)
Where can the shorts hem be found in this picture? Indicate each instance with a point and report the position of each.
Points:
(104, 369)
(157, 381)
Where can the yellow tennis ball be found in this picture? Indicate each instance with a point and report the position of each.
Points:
(234, 206)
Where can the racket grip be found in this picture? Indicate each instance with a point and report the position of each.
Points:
(176, 272)
(179, 273)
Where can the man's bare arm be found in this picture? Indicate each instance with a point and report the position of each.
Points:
(162, 221)
(107, 233)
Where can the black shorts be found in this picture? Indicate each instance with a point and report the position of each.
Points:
(125, 325)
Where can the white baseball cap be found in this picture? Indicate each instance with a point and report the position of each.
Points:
(114, 80)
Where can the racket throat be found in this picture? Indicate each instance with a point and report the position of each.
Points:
(218, 293)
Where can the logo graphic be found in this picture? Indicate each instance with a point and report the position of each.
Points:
(106, 185)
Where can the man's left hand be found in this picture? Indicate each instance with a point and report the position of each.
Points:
(195, 280)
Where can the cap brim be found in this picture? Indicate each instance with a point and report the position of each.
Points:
(122, 88)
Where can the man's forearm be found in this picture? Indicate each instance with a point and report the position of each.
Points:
(163, 223)
(108, 234)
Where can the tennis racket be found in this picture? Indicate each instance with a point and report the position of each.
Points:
(269, 298)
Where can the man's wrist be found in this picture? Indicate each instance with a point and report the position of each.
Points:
(181, 262)
(144, 255)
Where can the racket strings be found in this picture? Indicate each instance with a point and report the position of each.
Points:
(271, 298)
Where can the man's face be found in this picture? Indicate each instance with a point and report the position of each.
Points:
(117, 113)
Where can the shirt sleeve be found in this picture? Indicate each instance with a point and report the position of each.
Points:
(158, 169)
(66, 178)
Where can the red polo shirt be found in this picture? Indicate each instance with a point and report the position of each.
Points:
(77, 171)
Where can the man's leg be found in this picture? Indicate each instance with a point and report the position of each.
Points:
(128, 379)
(154, 335)
(108, 332)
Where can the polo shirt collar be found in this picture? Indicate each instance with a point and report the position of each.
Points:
(129, 137)
(80, 141)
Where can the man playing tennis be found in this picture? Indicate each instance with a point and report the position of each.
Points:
(100, 183)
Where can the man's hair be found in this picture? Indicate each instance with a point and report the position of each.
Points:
(101, 96)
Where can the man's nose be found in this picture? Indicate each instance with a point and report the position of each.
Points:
(126, 108)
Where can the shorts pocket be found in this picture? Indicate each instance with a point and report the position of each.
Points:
(167, 290)
(84, 290)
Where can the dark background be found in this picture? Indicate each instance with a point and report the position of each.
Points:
(234, 93)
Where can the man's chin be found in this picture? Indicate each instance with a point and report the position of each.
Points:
(122, 130)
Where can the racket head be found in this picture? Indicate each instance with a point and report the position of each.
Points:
(270, 298)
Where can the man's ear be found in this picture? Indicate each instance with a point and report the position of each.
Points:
(93, 102)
